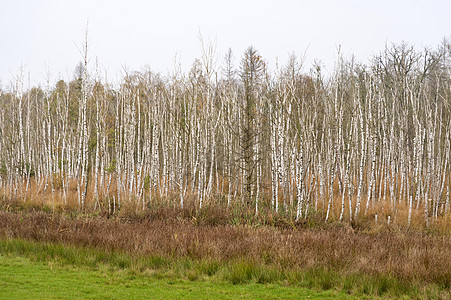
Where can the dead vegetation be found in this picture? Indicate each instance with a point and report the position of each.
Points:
(209, 234)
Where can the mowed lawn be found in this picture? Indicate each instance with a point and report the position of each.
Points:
(22, 278)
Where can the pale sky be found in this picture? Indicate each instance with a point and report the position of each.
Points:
(43, 35)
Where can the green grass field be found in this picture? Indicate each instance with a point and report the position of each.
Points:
(22, 278)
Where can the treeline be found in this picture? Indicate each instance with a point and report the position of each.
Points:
(364, 139)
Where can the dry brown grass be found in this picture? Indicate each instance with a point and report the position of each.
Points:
(179, 233)
(241, 211)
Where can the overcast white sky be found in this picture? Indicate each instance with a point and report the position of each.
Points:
(44, 34)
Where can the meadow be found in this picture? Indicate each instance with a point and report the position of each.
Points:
(209, 249)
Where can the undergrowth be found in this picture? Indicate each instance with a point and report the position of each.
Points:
(237, 214)
(237, 246)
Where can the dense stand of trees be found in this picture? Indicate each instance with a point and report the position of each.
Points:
(365, 138)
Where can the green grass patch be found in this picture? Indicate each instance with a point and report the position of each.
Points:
(239, 277)
(22, 278)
